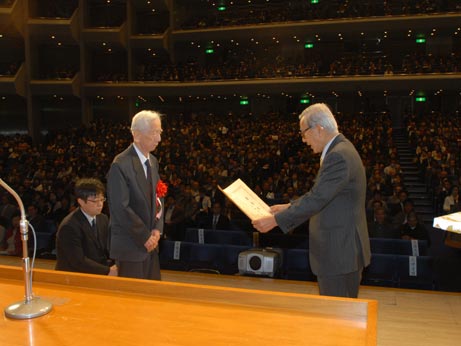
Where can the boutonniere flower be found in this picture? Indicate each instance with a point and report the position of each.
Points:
(162, 189)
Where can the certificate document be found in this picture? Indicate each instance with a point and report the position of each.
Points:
(248, 201)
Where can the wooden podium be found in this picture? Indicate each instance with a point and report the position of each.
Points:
(98, 310)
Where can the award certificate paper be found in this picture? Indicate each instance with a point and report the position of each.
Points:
(248, 201)
(450, 222)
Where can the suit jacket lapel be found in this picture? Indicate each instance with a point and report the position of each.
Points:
(155, 175)
(140, 175)
(87, 227)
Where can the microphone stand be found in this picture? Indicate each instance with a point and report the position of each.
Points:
(31, 306)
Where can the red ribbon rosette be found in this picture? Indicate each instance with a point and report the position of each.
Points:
(162, 189)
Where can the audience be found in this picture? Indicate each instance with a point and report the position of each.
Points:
(270, 62)
(272, 166)
(242, 12)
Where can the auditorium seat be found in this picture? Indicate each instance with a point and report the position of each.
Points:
(229, 258)
(398, 246)
(296, 265)
(284, 241)
(381, 271)
(210, 236)
(174, 255)
(46, 237)
(415, 272)
(204, 257)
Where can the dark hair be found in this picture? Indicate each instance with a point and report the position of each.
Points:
(88, 187)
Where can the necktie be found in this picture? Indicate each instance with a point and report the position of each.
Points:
(149, 178)
(94, 228)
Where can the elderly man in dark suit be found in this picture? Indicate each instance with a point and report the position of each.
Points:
(136, 222)
(82, 237)
(338, 237)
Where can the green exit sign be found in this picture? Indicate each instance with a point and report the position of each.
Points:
(420, 99)
(421, 40)
(304, 101)
(314, 1)
(209, 51)
(308, 45)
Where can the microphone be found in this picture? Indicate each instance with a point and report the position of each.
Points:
(31, 306)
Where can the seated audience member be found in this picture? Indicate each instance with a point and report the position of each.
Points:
(36, 219)
(216, 219)
(377, 197)
(215, 194)
(174, 220)
(413, 229)
(7, 209)
(451, 202)
(12, 244)
(371, 209)
(394, 201)
(443, 191)
(82, 238)
(380, 227)
(401, 217)
(64, 209)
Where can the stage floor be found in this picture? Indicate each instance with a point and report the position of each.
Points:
(405, 317)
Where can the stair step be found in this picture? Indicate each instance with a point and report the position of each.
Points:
(423, 203)
(419, 195)
(407, 158)
(428, 221)
(410, 173)
(424, 210)
(412, 190)
(412, 176)
(411, 179)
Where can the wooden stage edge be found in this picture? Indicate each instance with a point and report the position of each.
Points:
(282, 315)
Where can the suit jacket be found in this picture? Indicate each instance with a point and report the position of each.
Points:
(335, 205)
(222, 224)
(78, 248)
(132, 213)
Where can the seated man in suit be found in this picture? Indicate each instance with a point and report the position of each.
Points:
(82, 237)
(380, 227)
(413, 229)
(217, 220)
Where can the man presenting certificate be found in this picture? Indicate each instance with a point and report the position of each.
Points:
(339, 245)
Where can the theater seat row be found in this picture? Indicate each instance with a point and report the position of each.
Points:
(389, 270)
(378, 245)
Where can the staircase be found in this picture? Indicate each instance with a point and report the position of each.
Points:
(412, 179)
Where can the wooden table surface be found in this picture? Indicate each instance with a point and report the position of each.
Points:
(98, 310)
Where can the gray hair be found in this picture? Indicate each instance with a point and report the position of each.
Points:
(319, 114)
(142, 120)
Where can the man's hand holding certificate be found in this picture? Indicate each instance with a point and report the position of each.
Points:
(260, 214)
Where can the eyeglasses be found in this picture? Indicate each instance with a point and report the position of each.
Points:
(98, 200)
(303, 132)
